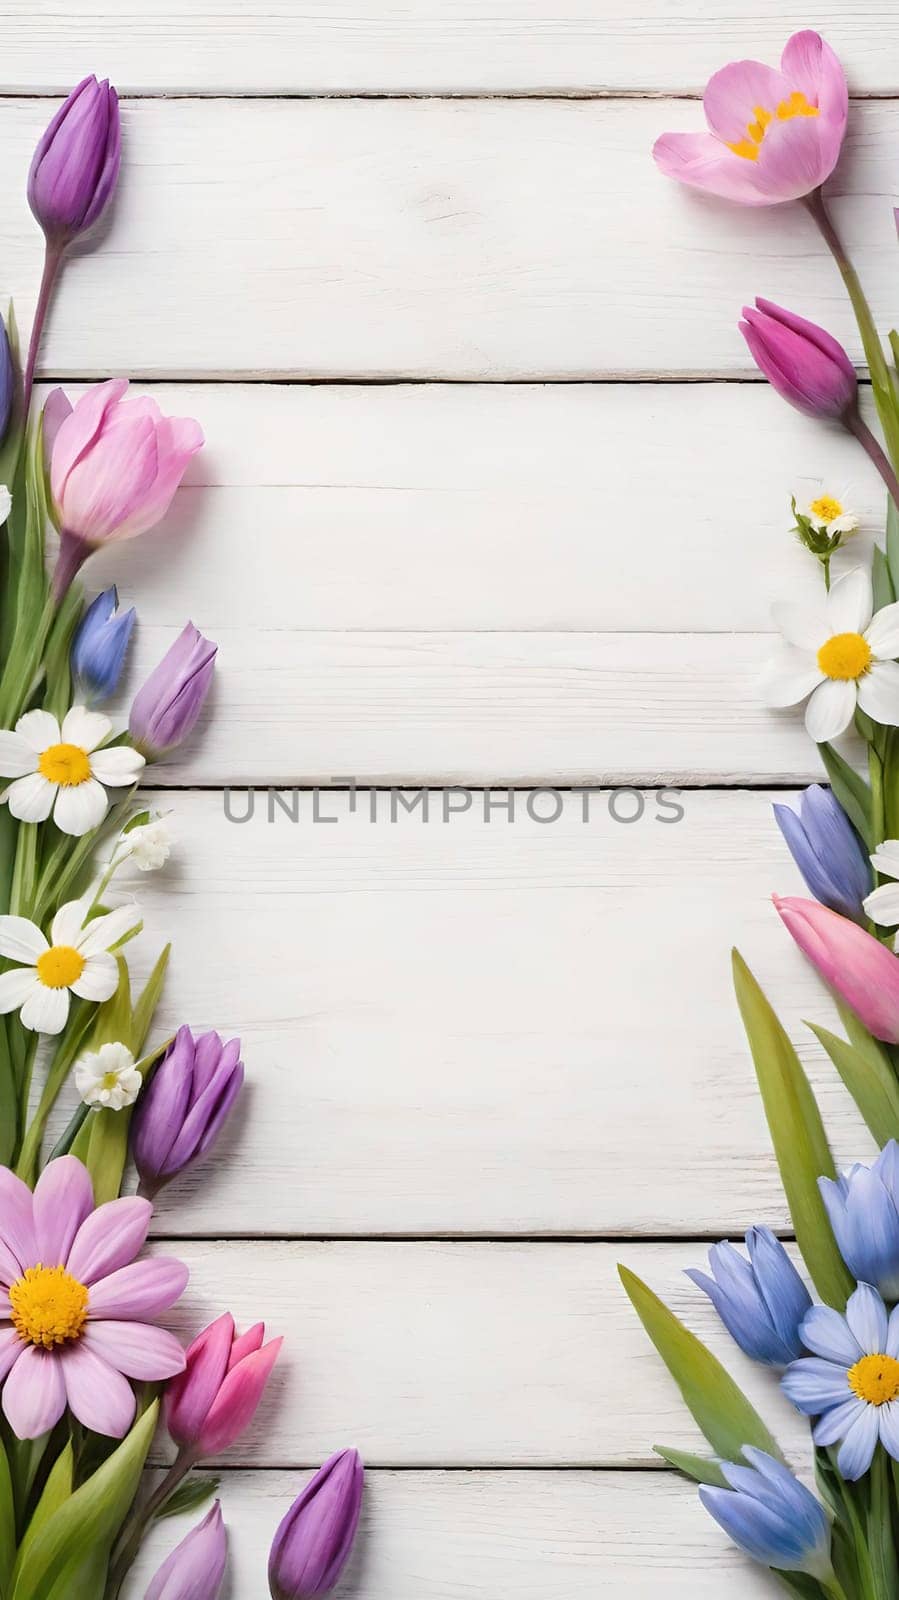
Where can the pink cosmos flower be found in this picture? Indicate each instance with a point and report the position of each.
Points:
(73, 1303)
(774, 136)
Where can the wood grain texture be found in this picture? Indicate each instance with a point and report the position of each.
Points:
(478, 1027)
(457, 239)
(422, 46)
(466, 1355)
(476, 1536)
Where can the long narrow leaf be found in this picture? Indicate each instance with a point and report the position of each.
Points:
(851, 790)
(797, 1133)
(7, 1525)
(870, 1079)
(702, 1469)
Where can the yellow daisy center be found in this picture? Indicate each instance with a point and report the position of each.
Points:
(65, 764)
(847, 656)
(796, 106)
(875, 1379)
(109, 1080)
(826, 508)
(49, 1307)
(60, 966)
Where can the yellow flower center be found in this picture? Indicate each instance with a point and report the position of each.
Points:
(49, 1306)
(826, 508)
(60, 966)
(65, 764)
(875, 1379)
(796, 106)
(109, 1080)
(847, 656)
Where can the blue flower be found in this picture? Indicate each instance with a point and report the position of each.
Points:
(772, 1516)
(761, 1301)
(100, 645)
(851, 1382)
(863, 1207)
(828, 851)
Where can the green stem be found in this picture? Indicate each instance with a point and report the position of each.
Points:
(135, 1528)
(878, 803)
(880, 1528)
(833, 1587)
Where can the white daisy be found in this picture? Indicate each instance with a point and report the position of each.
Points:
(57, 769)
(836, 653)
(74, 960)
(148, 846)
(882, 905)
(108, 1077)
(830, 512)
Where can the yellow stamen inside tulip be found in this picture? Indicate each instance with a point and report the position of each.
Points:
(49, 1306)
(65, 764)
(826, 508)
(846, 657)
(796, 106)
(875, 1379)
(60, 966)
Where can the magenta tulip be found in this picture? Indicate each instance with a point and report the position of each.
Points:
(215, 1399)
(313, 1543)
(195, 1570)
(774, 135)
(114, 467)
(801, 361)
(167, 707)
(863, 971)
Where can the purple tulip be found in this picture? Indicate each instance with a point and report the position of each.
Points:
(184, 1106)
(76, 164)
(167, 707)
(313, 1543)
(803, 363)
(196, 1567)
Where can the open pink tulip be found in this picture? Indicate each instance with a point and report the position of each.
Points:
(774, 136)
(214, 1400)
(854, 963)
(114, 467)
(74, 1303)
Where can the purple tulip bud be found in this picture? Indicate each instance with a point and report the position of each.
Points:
(313, 1543)
(101, 644)
(169, 704)
(803, 363)
(184, 1106)
(196, 1567)
(76, 163)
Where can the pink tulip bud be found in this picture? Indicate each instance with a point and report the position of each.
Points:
(863, 971)
(803, 363)
(215, 1399)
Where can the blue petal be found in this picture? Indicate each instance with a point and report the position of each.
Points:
(857, 1450)
(835, 1424)
(783, 1291)
(764, 1534)
(866, 1315)
(827, 1334)
(815, 1386)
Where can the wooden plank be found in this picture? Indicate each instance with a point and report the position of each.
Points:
(478, 1027)
(465, 1355)
(422, 46)
(473, 1536)
(451, 238)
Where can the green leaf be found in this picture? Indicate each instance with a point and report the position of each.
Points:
(702, 1469)
(112, 1023)
(722, 1411)
(9, 1100)
(797, 1133)
(149, 999)
(884, 593)
(188, 1496)
(7, 1525)
(893, 542)
(870, 1079)
(57, 1491)
(851, 790)
(80, 1533)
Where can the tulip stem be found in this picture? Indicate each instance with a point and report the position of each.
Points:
(53, 254)
(132, 1534)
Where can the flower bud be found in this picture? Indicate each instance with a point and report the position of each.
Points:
(101, 644)
(313, 1543)
(852, 961)
(213, 1401)
(196, 1567)
(801, 361)
(76, 164)
(184, 1106)
(167, 707)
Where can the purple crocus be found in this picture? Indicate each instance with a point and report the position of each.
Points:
(828, 851)
(183, 1108)
(195, 1569)
(101, 644)
(801, 361)
(167, 707)
(313, 1543)
(76, 164)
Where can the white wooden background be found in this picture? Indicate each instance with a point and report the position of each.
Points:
(489, 499)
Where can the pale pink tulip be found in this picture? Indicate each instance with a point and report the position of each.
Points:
(774, 135)
(852, 961)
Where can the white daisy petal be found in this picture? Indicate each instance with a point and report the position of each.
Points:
(886, 859)
(830, 710)
(878, 693)
(21, 940)
(31, 799)
(103, 932)
(39, 730)
(789, 676)
(117, 766)
(16, 755)
(80, 807)
(85, 728)
(882, 905)
(883, 634)
(850, 603)
(68, 923)
(45, 1010)
(15, 987)
(99, 978)
(803, 626)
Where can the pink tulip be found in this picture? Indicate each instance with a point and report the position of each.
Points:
(215, 1399)
(774, 136)
(114, 467)
(854, 963)
(806, 366)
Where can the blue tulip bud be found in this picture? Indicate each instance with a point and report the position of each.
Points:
(101, 643)
(761, 1301)
(772, 1516)
(828, 852)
